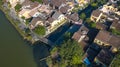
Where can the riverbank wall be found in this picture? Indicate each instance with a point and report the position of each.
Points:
(15, 24)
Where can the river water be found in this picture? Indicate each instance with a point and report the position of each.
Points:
(14, 51)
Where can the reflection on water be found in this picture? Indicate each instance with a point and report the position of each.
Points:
(40, 50)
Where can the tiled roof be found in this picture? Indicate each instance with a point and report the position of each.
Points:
(57, 3)
(101, 26)
(103, 36)
(64, 9)
(108, 38)
(83, 30)
(116, 24)
(105, 56)
(56, 15)
(34, 21)
(96, 13)
(73, 17)
(33, 12)
(45, 1)
(30, 3)
(50, 20)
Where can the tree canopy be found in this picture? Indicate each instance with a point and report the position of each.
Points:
(1, 2)
(40, 30)
(17, 7)
(71, 53)
(114, 31)
(116, 61)
(83, 16)
(97, 3)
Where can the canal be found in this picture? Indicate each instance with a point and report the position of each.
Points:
(14, 51)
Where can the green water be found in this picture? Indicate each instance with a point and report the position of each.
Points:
(14, 51)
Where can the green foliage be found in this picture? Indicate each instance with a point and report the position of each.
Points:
(23, 17)
(40, 1)
(114, 31)
(49, 61)
(91, 1)
(27, 20)
(67, 36)
(88, 20)
(74, 10)
(116, 61)
(40, 30)
(102, 1)
(17, 7)
(97, 3)
(76, 59)
(83, 16)
(92, 24)
(71, 53)
(1, 2)
(118, 3)
(118, 7)
(54, 50)
(77, 8)
(94, 4)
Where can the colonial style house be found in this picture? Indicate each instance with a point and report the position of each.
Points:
(35, 22)
(64, 8)
(34, 9)
(97, 16)
(51, 23)
(107, 8)
(28, 9)
(59, 19)
(74, 17)
(106, 39)
(57, 3)
(45, 8)
(107, 12)
(81, 36)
